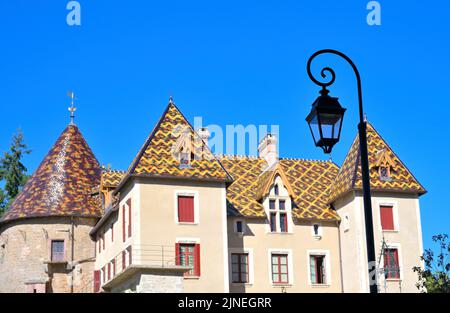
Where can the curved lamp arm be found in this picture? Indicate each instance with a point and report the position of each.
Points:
(329, 70)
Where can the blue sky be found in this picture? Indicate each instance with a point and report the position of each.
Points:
(230, 62)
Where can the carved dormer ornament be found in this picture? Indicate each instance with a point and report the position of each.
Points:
(384, 164)
(183, 148)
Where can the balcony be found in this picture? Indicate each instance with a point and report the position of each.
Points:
(143, 259)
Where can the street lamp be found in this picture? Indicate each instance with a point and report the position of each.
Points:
(325, 123)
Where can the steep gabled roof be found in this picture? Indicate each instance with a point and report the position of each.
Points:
(309, 181)
(156, 157)
(349, 177)
(62, 184)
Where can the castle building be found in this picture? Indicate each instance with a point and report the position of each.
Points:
(181, 219)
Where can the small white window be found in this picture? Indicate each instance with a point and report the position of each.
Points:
(239, 227)
(316, 230)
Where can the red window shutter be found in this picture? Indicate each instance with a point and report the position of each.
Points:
(97, 282)
(186, 209)
(109, 271)
(123, 224)
(129, 217)
(387, 217)
(124, 260)
(197, 271)
(114, 267)
(177, 254)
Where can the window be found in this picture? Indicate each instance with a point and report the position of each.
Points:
(186, 213)
(112, 232)
(316, 230)
(278, 216)
(273, 222)
(124, 220)
(97, 281)
(283, 223)
(240, 267)
(280, 273)
(129, 217)
(239, 227)
(276, 190)
(391, 264)
(385, 173)
(317, 269)
(104, 274)
(57, 251)
(109, 271)
(387, 217)
(272, 204)
(189, 255)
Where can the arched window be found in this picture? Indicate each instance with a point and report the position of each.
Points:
(276, 190)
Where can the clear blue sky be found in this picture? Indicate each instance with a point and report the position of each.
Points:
(231, 62)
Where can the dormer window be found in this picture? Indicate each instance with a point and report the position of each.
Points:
(385, 173)
(276, 190)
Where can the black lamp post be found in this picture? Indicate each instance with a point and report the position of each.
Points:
(325, 123)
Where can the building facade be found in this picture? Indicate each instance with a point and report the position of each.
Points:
(182, 219)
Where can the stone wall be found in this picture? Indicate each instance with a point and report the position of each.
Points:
(147, 282)
(25, 250)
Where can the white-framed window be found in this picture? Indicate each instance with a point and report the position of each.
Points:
(388, 219)
(316, 230)
(281, 267)
(278, 206)
(391, 262)
(241, 266)
(319, 269)
(186, 207)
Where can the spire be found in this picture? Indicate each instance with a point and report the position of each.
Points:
(72, 108)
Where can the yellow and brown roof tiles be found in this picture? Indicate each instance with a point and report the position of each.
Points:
(111, 178)
(158, 158)
(349, 177)
(310, 182)
(63, 183)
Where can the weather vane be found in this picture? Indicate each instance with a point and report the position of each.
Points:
(72, 108)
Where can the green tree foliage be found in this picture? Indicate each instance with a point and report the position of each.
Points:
(12, 171)
(435, 277)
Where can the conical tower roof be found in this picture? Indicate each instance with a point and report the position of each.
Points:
(63, 183)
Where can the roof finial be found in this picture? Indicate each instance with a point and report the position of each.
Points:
(72, 108)
(365, 117)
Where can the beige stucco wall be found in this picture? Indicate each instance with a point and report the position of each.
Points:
(258, 242)
(407, 238)
(25, 247)
(155, 227)
(158, 226)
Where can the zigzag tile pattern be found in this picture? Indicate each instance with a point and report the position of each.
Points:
(349, 177)
(111, 179)
(62, 184)
(158, 159)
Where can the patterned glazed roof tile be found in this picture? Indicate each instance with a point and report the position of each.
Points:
(63, 183)
(111, 179)
(310, 182)
(349, 177)
(158, 156)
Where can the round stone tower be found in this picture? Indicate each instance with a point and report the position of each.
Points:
(44, 236)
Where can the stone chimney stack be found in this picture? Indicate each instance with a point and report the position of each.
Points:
(268, 149)
(204, 134)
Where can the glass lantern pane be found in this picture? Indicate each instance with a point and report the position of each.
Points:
(330, 124)
(315, 128)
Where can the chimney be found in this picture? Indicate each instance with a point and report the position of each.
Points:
(204, 134)
(268, 149)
